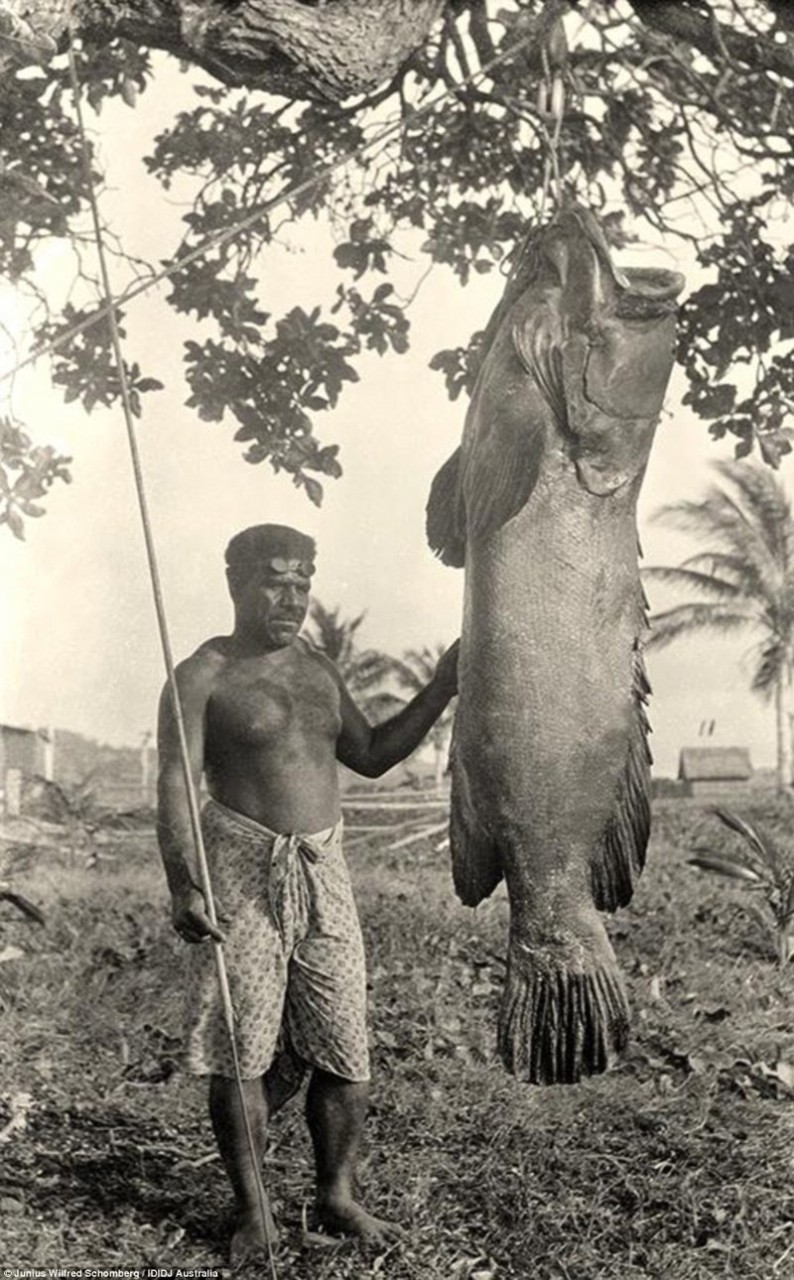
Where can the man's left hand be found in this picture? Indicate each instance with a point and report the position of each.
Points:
(446, 674)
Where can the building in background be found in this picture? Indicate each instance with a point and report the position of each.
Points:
(715, 773)
(23, 749)
(116, 777)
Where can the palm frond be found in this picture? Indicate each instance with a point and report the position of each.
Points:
(364, 670)
(750, 518)
(381, 706)
(736, 569)
(416, 667)
(762, 845)
(686, 618)
(404, 674)
(333, 633)
(683, 576)
(723, 866)
(762, 495)
(773, 661)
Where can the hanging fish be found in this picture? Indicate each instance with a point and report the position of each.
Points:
(551, 769)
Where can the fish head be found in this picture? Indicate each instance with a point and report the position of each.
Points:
(614, 348)
(575, 360)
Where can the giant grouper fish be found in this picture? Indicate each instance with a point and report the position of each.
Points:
(550, 763)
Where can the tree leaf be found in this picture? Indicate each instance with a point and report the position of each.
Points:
(725, 867)
(15, 523)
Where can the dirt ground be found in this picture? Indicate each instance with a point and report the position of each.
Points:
(675, 1166)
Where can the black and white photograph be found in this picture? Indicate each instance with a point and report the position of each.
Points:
(397, 639)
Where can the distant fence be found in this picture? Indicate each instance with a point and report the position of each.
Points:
(405, 819)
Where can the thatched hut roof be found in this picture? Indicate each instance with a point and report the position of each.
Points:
(715, 764)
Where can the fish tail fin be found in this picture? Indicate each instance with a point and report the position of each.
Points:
(561, 1021)
(619, 858)
(476, 867)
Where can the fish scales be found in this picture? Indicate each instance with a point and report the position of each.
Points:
(551, 769)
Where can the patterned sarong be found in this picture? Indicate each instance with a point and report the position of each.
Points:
(294, 953)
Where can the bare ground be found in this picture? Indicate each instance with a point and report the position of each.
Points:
(675, 1166)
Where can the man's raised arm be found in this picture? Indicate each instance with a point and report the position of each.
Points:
(372, 749)
(174, 828)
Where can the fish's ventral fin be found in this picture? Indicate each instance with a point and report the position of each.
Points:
(442, 522)
(618, 860)
(559, 1024)
(476, 867)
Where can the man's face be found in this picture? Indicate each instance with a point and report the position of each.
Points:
(271, 603)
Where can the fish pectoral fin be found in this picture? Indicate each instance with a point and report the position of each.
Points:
(537, 337)
(501, 472)
(442, 523)
(609, 449)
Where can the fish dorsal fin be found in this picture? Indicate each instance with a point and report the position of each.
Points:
(536, 338)
(619, 857)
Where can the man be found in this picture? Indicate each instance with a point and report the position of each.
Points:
(266, 718)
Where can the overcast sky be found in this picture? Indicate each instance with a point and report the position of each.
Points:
(78, 644)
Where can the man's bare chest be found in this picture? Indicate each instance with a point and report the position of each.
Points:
(262, 704)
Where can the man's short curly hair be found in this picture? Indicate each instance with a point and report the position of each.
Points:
(249, 548)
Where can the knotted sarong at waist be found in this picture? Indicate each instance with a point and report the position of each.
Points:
(293, 950)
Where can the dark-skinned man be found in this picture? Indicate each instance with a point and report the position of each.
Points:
(267, 717)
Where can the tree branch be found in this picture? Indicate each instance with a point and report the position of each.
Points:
(327, 52)
(702, 32)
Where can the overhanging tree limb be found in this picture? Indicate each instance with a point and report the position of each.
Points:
(651, 121)
(344, 47)
(334, 50)
(695, 28)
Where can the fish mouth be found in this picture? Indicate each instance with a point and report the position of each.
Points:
(642, 293)
(649, 292)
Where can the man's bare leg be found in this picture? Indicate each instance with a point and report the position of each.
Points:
(336, 1110)
(229, 1128)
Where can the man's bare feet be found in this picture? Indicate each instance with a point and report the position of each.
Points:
(345, 1215)
(249, 1241)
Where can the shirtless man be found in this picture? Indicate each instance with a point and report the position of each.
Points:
(267, 716)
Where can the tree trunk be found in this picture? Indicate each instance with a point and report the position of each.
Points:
(783, 734)
(326, 51)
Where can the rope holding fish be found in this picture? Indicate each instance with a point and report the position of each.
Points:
(193, 806)
(551, 109)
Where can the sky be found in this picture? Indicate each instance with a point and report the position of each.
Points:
(78, 644)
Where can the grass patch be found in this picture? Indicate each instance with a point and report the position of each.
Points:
(676, 1166)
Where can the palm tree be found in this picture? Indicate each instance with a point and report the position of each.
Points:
(744, 578)
(363, 670)
(412, 672)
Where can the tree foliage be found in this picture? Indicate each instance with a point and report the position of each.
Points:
(678, 121)
(364, 671)
(412, 673)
